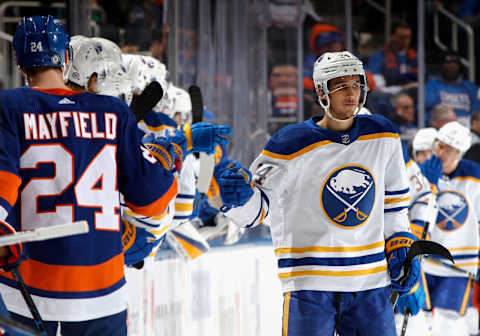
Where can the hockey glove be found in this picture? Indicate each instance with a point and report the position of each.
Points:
(418, 227)
(396, 249)
(168, 150)
(137, 243)
(432, 169)
(204, 137)
(235, 184)
(413, 301)
(11, 256)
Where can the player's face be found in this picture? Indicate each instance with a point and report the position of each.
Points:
(423, 155)
(344, 95)
(447, 154)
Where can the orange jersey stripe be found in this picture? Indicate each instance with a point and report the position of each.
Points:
(9, 184)
(60, 278)
(159, 205)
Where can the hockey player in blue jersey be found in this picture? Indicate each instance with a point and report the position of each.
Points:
(335, 193)
(66, 156)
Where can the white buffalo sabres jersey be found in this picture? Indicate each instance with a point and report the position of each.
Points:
(456, 226)
(331, 199)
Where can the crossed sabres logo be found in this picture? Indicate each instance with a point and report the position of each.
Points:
(453, 210)
(348, 195)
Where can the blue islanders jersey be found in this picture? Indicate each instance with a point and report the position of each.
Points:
(460, 96)
(66, 156)
(331, 199)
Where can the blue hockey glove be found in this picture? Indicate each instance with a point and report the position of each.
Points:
(168, 150)
(204, 137)
(396, 249)
(235, 184)
(413, 301)
(137, 243)
(12, 253)
(432, 169)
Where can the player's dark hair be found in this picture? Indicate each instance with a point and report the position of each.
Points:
(32, 71)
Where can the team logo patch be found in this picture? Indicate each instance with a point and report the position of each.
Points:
(348, 195)
(452, 210)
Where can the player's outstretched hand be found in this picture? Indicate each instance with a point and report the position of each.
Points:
(413, 301)
(204, 137)
(235, 184)
(168, 150)
(432, 169)
(10, 255)
(137, 243)
(396, 249)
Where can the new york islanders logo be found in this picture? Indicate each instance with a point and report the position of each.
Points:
(452, 210)
(348, 195)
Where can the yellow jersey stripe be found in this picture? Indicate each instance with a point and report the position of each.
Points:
(329, 248)
(409, 163)
(462, 178)
(396, 200)
(158, 128)
(367, 271)
(378, 135)
(466, 248)
(294, 155)
(161, 231)
(184, 207)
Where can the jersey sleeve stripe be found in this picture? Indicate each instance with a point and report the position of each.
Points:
(373, 270)
(9, 184)
(159, 205)
(409, 163)
(185, 207)
(306, 249)
(336, 261)
(298, 153)
(463, 178)
(185, 196)
(396, 192)
(63, 278)
(396, 200)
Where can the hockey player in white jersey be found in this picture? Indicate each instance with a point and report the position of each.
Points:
(456, 228)
(335, 193)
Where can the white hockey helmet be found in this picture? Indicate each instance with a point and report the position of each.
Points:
(456, 135)
(117, 84)
(337, 64)
(424, 139)
(176, 101)
(136, 67)
(109, 50)
(86, 61)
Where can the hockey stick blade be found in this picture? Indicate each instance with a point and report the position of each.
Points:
(418, 248)
(44, 233)
(144, 103)
(197, 103)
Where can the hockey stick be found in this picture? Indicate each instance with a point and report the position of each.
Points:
(29, 301)
(144, 103)
(207, 162)
(44, 233)
(470, 275)
(419, 247)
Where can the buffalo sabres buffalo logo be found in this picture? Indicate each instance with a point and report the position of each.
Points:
(348, 195)
(452, 210)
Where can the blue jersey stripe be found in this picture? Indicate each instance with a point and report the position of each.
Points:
(308, 261)
(397, 192)
(395, 209)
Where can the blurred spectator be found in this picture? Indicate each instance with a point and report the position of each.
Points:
(441, 115)
(404, 115)
(284, 87)
(2, 86)
(158, 45)
(474, 152)
(453, 90)
(394, 68)
(137, 32)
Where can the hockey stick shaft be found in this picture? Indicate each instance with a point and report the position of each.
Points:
(470, 275)
(44, 233)
(29, 301)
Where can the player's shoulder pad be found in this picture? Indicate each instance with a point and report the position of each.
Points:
(467, 168)
(375, 123)
(292, 138)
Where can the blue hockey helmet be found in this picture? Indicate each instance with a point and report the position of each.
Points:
(40, 41)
